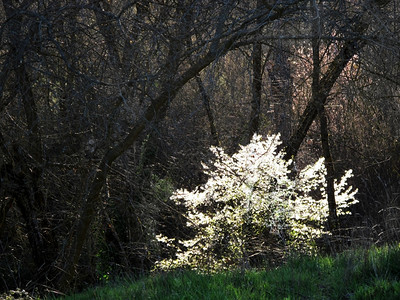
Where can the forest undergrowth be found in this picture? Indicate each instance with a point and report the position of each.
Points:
(355, 274)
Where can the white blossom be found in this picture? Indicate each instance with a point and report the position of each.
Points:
(253, 188)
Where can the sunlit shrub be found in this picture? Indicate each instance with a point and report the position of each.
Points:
(249, 197)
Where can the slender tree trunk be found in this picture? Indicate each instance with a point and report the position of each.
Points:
(281, 90)
(31, 200)
(254, 123)
(210, 115)
(316, 95)
(330, 171)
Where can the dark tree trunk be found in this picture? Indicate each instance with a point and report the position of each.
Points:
(281, 90)
(316, 90)
(256, 90)
(210, 115)
(330, 171)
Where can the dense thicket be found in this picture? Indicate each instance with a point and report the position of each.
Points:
(108, 106)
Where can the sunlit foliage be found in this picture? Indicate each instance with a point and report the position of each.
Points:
(250, 199)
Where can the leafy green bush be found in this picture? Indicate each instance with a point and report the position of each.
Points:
(249, 199)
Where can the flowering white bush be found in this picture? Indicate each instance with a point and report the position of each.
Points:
(249, 197)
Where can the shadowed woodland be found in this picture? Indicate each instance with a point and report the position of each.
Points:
(107, 107)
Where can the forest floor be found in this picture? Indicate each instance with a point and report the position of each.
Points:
(357, 274)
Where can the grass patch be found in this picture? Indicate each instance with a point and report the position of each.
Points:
(361, 274)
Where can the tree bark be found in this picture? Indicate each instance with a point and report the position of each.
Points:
(316, 90)
(281, 92)
(254, 123)
(256, 84)
(330, 171)
(210, 115)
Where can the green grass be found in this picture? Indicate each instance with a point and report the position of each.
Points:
(361, 274)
